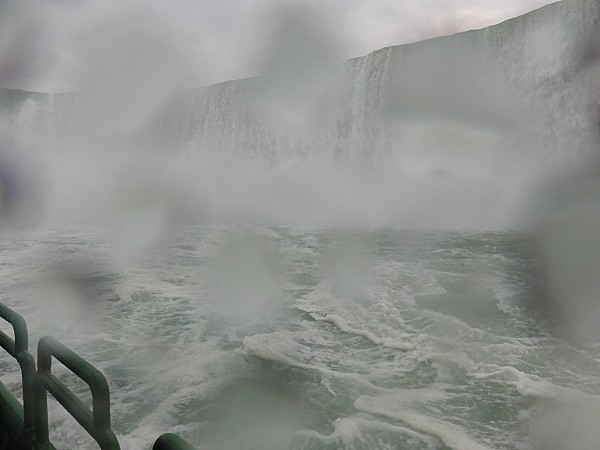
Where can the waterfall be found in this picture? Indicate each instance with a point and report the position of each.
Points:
(528, 69)
(535, 60)
(462, 119)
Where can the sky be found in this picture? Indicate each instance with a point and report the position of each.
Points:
(59, 45)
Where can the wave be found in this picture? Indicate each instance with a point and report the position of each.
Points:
(450, 434)
(342, 325)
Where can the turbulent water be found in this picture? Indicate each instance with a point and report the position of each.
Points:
(299, 338)
(322, 337)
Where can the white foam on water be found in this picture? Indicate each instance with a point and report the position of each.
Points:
(447, 363)
(284, 347)
(451, 328)
(342, 325)
(353, 432)
(167, 352)
(532, 386)
(450, 434)
(506, 296)
(390, 288)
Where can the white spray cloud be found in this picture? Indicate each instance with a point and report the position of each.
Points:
(219, 39)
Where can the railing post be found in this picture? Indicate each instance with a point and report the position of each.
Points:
(18, 349)
(95, 422)
(170, 441)
(27, 424)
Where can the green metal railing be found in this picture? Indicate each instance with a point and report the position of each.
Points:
(17, 419)
(97, 421)
(170, 441)
(25, 426)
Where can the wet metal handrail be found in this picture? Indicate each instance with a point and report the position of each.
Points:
(18, 349)
(97, 421)
(26, 426)
(170, 441)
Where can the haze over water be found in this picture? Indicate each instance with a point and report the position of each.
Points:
(396, 252)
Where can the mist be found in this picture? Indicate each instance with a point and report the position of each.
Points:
(241, 190)
(288, 147)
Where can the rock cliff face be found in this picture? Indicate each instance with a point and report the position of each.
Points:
(532, 77)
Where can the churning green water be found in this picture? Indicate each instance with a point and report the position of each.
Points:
(276, 338)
